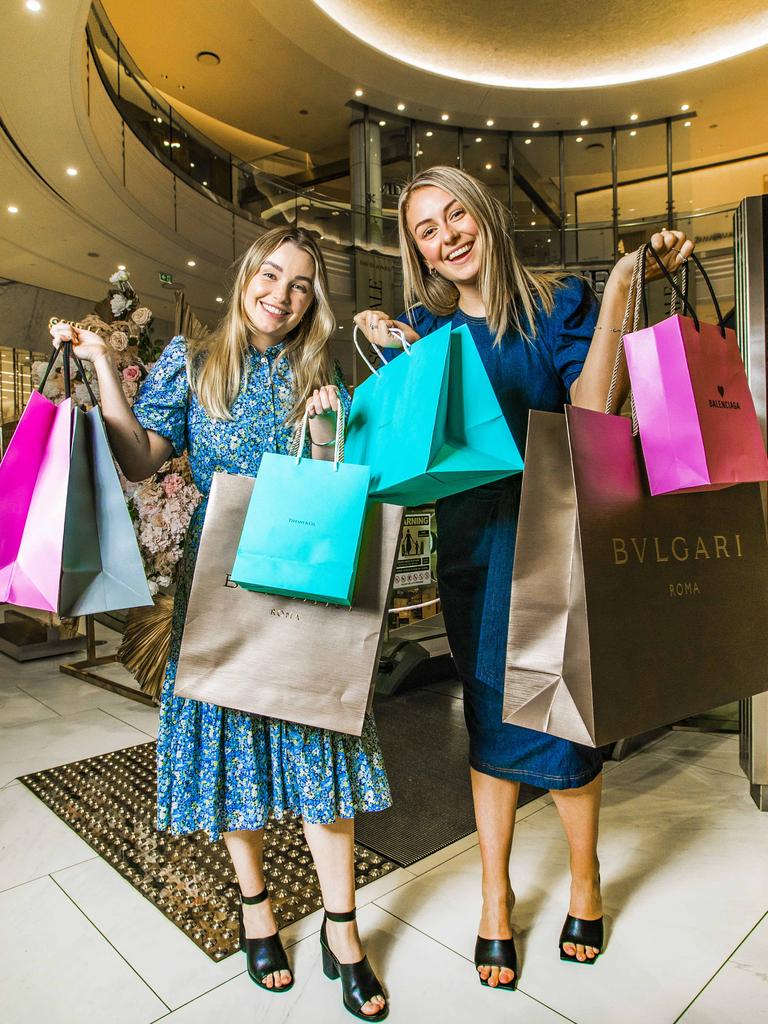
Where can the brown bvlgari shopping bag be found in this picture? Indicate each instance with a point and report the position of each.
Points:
(628, 611)
(278, 656)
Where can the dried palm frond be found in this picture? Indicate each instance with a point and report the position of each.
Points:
(146, 644)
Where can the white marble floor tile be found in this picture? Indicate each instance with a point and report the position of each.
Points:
(447, 853)
(685, 863)
(56, 968)
(18, 708)
(738, 994)
(140, 716)
(159, 952)
(33, 840)
(425, 981)
(719, 751)
(68, 695)
(31, 748)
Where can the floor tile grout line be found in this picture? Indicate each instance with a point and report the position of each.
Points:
(49, 874)
(200, 995)
(32, 695)
(432, 938)
(694, 764)
(724, 964)
(118, 719)
(109, 943)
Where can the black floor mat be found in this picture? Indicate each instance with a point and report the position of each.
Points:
(425, 746)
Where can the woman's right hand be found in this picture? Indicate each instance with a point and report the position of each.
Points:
(85, 344)
(376, 324)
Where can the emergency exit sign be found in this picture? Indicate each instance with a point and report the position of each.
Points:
(166, 278)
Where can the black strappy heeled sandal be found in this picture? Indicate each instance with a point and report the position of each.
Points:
(582, 933)
(358, 982)
(497, 953)
(263, 956)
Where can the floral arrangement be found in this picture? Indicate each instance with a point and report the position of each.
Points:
(162, 506)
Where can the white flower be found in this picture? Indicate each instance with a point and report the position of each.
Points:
(119, 304)
(118, 276)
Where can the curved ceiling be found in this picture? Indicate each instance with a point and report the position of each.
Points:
(551, 44)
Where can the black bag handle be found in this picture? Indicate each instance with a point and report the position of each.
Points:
(67, 353)
(684, 297)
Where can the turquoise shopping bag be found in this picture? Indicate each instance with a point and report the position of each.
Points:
(302, 531)
(429, 424)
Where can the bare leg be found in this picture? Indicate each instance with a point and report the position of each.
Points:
(333, 850)
(579, 811)
(495, 803)
(246, 850)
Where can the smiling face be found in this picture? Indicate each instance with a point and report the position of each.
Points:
(445, 234)
(279, 294)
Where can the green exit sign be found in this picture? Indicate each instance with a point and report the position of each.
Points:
(166, 278)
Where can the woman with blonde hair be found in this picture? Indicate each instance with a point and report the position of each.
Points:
(227, 399)
(543, 343)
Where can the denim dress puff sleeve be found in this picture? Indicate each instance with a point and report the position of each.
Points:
(163, 399)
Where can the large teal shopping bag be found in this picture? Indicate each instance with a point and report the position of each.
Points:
(302, 532)
(429, 424)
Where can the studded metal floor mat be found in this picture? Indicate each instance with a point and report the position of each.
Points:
(109, 801)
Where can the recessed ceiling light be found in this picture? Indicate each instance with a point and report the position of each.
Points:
(633, 117)
(175, 145)
(205, 182)
(72, 172)
(528, 142)
(33, 5)
(633, 133)
(490, 123)
(121, 266)
(191, 164)
(579, 138)
(341, 327)
(583, 122)
(488, 167)
(533, 223)
(401, 106)
(208, 57)
(335, 213)
(444, 117)
(429, 134)
(549, 239)
(686, 124)
(479, 138)
(191, 263)
(686, 106)
(382, 124)
(536, 124)
(13, 209)
(219, 298)
(358, 92)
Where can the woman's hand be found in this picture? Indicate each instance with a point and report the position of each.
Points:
(672, 248)
(375, 325)
(85, 344)
(321, 408)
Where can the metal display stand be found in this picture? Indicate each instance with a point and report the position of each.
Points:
(84, 669)
(25, 638)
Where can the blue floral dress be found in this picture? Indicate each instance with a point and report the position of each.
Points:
(221, 770)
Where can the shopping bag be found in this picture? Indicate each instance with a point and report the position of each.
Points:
(429, 424)
(695, 412)
(302, 532)
(269, 655)
(627, 611)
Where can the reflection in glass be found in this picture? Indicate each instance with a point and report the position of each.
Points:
(436, 146)
(588, 197)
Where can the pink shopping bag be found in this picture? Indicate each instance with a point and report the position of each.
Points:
(697, 421)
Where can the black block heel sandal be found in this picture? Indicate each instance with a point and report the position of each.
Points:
(582, 933)
(263, 956)
(497, 953)
(358, 982)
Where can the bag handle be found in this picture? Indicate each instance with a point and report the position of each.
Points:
(296, 448)
(66, 350)
(395, 332)
(676, 289)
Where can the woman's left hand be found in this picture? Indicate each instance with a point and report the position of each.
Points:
(321, 407)
(672, 248)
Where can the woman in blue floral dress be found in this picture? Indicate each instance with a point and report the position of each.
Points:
(226, 400)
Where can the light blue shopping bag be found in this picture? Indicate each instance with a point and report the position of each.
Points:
(429, 424)
(302, 532)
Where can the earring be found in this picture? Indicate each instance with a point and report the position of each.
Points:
(431, 270)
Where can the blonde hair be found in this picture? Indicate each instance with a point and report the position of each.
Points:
(510, 291)
(217, 363)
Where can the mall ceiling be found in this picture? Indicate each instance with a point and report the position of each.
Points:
(289, 67)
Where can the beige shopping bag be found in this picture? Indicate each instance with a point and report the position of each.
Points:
(279, 656)
(628, 611)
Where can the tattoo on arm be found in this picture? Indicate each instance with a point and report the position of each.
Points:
(138, 439)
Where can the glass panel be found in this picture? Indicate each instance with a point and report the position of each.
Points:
(485, 157)
(200, 159)
(436, 146)
(588, 197)
(536, 170)
(642, 172)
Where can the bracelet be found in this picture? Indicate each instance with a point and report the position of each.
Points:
(324, 444)
(613, 330)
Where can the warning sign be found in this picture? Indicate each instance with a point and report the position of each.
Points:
(413, 563)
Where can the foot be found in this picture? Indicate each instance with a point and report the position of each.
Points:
(494, 924)
(586, 903)
(260, 923)
(344, 941)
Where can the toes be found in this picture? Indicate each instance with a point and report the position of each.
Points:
(580, 954)
(493, 981)
(592, 952)
(373, 1006)
(285, 978)
(506, 976)
(569, 949)
(484, 971)
(268, 981)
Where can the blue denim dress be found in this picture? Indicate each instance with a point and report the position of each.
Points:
(221, 770)
(476, 533)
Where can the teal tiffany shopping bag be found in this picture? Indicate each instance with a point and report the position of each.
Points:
(302, 532)
(429, 424)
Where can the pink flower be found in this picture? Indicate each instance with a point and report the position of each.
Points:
(132, 373)
(172, 484)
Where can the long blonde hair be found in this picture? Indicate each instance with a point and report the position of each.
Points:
(510, 291)
(216, 364)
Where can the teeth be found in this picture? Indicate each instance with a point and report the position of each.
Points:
(272, 309)
(459, 252)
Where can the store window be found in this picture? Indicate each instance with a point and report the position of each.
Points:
(436, 146)
(485, 156)
(588, 198)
